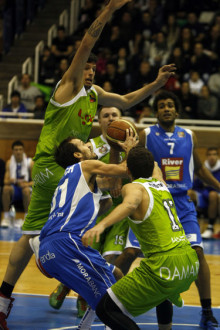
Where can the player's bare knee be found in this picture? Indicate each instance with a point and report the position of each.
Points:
(131, 253)
(118, 273)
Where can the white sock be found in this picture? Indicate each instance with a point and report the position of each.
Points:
(87, 319)
(6, 215)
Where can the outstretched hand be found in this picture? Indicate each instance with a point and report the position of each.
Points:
(165, 72)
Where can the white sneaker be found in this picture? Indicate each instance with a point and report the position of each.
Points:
(208, 233)
(6, 223)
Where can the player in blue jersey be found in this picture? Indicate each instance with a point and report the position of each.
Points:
(74, 209)
(174, 149)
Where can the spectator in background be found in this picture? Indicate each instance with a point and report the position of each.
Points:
(207, 104)
(212, 46)
(171, 30)
(40, 107)
(214, 82)
(62, 45)
(2, 174)
(195, 27)
(63, 66)
(144, 75)
(159, 52)
(107, 86)
(145, 111)
(188, 102)
(47, 67)
(15, 107)
(205, 197)
(201, 62)
(28, 92)
(195, 82)
(17, 181)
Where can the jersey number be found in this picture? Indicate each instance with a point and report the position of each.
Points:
(62, 201)
(168, 205)
(171, 144)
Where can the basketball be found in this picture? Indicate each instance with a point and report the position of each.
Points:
(116, 132)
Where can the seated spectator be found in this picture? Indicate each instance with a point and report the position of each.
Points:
(17, 181)
(15, 107)
(214, 82)
(207, 107)
(188, 102)
(142, 75)
(171, 30)
(195, 27)
(62, 45)
(40, 107)
(28, 92)
(205, 197)
(212, 46)
(47, 67)
(195, 83)
(107, 86)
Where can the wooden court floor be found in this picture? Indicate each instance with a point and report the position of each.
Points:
(32, 282)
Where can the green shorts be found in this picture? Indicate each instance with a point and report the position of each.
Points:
(46, 175)
(159, 277)
(114, 238)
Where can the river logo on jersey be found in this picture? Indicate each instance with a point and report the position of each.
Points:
(172, 168)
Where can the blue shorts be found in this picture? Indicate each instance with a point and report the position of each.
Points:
(192, 231)
(81, 269)
(17, 195)
(185, 208)
(131, 240)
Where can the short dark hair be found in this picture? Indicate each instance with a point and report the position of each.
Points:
(212, 149)
(140, 162)
(92, 58)
(15, 93)
(163, 95)
(64, 153)
(102, 107)
(17, 143)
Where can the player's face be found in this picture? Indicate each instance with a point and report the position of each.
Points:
(18, 152)
(85, 149)
(89, 74)
(107, 116)
(166, 112)
(212, 157)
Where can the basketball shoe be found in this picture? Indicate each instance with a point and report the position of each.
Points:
(208, 321)
(5, 308)
(58, 296)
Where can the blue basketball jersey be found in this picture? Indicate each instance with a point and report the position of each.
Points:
(174, 154)
(68, 212)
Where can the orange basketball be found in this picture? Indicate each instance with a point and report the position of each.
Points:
(117, 132)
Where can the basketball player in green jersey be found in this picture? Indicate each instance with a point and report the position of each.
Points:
(70, 111)
(170, 264)
(113, 240)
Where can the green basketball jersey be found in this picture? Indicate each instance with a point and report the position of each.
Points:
(160, 229)
(63, 120)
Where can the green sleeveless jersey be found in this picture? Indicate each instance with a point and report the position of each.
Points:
(75, 118)
(102, 150)
(160, 230)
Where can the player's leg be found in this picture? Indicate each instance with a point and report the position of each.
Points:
(164, 313)
(7, 193)
(111, 315)
(212, 205)
(192, 231)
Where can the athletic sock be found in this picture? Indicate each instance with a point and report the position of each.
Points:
(6, 289)
(206, 303)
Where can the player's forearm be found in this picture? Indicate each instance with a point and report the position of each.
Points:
(204, 174)
(97, 26)
(139, 95)
(121, 212)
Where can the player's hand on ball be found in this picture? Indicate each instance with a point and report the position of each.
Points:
(130, 142)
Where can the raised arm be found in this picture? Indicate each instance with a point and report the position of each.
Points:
(129, 100)
(72, 80)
